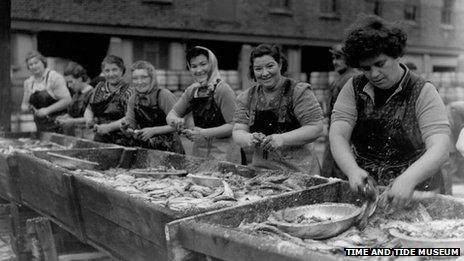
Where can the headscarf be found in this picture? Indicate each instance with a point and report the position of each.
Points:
(214, 76)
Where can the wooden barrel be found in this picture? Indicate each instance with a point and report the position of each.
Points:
(172, 80)
(161, 78)
(233, 79)
(319, 80)
(185, 79)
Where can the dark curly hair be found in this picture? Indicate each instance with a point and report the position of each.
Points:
(371, 37)
(267, 49)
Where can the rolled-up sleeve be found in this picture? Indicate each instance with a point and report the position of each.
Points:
(431, 112)
(345, 106)
(241, 114)
(306, 107)
(182, 106)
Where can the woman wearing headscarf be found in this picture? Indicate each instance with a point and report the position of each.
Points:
(76, 79)
(212, 103)
(45, 93)
(277, 117)
(108, 102)
(146, 112)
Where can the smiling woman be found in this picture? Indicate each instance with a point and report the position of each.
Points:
(277, 118)
(145, 120)
(45, 93)
(212, 103)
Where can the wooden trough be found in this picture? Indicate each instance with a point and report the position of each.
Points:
(125, 226)
(216, 234)
(8, 180)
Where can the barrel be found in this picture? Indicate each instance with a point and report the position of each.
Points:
(319, 80)
(233, 79)
(22, 123)
(172, 80)
(185, 79)
(161, 78)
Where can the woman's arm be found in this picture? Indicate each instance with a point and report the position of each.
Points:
(58, 87)
(242, 136)
(303, 135)
(436, 154)
(339, 136)
(460, 142)
(222, 131)
(26, 95)
(88, 116)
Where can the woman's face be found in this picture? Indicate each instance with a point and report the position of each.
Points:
(141, 80)
(36, 66)
(200, 68)
(112, 73)
(382, 71)
(267, 71)
(73, 83)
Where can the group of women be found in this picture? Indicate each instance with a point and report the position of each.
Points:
(387, 123)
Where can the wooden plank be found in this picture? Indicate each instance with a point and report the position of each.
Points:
(39, 232)
(71, 161)
(120, 242)
(8, 184)
(142, 218)
(19, 215)
(45, 188)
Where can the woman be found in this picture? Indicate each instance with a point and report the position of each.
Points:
(76, 79)
(45, 93)
(277, 117)
(212, 103)
(107, 104)
(147, 109)
(394, 119)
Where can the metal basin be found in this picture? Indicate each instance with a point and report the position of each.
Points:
(336, 218)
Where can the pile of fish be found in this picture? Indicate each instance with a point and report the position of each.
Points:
(178, 191)
(7, 146)
(376, 233)
(436, 229)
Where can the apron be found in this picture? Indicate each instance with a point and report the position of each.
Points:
(207, 114)
(42, 99)
(109, 110)
(299, 158)
(76, 109)
(387, 140)
(151, 116)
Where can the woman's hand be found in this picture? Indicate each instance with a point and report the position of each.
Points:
(146, 133)
(176, 122)
(65, 121)
(102, 128)
(195, 134)
(42, 112)
(272, 142)
(357, 179)
(400, 193)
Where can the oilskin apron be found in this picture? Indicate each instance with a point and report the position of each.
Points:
(387, 139)
(42, 99)
(151, 116)
(207, 114)
(281, 119)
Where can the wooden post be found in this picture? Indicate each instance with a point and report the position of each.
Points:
(5, 81)
(39, 231)
(19, 215)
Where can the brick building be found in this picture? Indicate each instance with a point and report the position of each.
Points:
(160, 30)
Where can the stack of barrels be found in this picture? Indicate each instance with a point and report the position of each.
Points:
(178, 81)
(320, 85)
(450, 85)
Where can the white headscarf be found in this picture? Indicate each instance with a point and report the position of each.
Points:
(214, 74)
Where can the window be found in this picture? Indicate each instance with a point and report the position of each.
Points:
(222, 10)
(281, 7)
(374, 7)
(411, 10)
(328, 6)
(446, 12)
